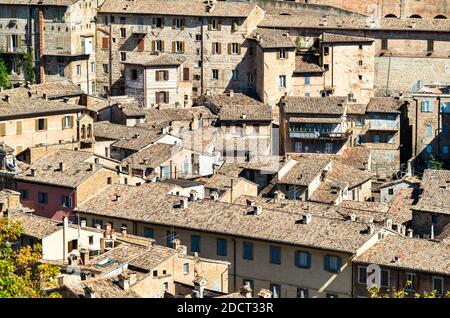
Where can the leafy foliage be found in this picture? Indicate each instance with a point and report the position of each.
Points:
(436, 164)
(4, 75)
(21, 273)
(376, 292)
(28, 66)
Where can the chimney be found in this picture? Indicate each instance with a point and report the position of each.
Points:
(246, 290)
(410, 232)
(307, 218)
(97, 161)
(7, 98)
(176, 243)
(117, 197)
(264, 293)
(66, 99)
(61, 166)
(388, 223)
(91, 167)
(370, 228)
(44, 96)
(231, 93)
(279, 195)
(84, 255)
(33, 172)
(215, 196)
(353, 217)
(98, 226)
(89, 292)
(124, 281)
(184, 203)
(257, 210)
(199, 285)
(29, 93)
(250, 203)
(123, 230)
(108, 228)
(193, 196)
(83, 223)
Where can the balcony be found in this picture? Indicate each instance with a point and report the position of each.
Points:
(317, 135)
(140, 29)
(386, 125)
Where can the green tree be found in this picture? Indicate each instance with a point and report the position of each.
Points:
(375, 292)
(436, 164)
(21, 273)
(28, 66)
(4, 76)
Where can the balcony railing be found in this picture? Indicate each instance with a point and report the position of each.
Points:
(317, 135)
(140, 29)
(384, 125)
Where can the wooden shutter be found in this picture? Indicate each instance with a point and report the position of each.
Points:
(183, 45)
(157, 97)
(339, 264)
(19, 127)
(174, 23)
(162, 22)
(153, 22)
(2, 129)
(45, 123)
(71, 121)
(8, 43)
(186, 74)
(140, 44)
(183, 23)
(308, 259)
(19, 149)
(220, 47)
(239, 48)
(153, 46)
(162, 45)
(209, 25)
(157, 75)
(229, 48)
(219, 24)
(326, 262)
(105, 43)
(278, 54)
(36, 124)
(63, 126)
(166, 75)
(212, 47)
(174, 46)
(166, 97)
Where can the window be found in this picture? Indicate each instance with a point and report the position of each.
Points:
(282, 80)
(66, 201)
(123, 56)
(158, 22)
(106, 68)
(67, 122)
(390, 139)
(235, 48)
(148, 232)
(195, 243)
(78, 69)
(445, 107)
(429, 149)
(134, 74)
(249, 77)
(332, 263)
(214, 24)
(429, 130)
(123, 20)
(376, 139)
(445, 130)
(215, 74)
(41, 124)
(276, 290)
(430, 45)
(161, 75)
(385, 278)
(384, 44)
(105, 43)
(326, 67)
(186, 74)
(326, 50)
(123, 32)
(221, 247)
(411, 281)
(445, 149)
(434, 218)
(328, 147)
(302, 259)
(248, 251)
(362, 275)
(165, 171)
(360, 62)
(391, 191)
(170, 237)
(216, 48)
(24, 194)
(178, 47)
(97, 221)
(282, 54)
(234, 75)
(91, 240)
(43, 197)
(186, 268)
(360, 47)
(155, 273)
(302, 293)
(178, 23)
(92, 67)
(158, 46)
(360, 77)
(140, 44)
(198, 37)
(438, 285)
(165, 286)
(307, 80)
(275, 255)
(426, 106)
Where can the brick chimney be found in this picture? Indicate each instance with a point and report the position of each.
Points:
(123, 230)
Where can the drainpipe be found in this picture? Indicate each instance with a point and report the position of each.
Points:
(201, 57)
(110, 58)
(41, 44)
(439, 128)
(332, 66)
(234, 264)
(417, 120)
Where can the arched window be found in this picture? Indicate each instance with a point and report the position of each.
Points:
(89, 131)
(83, 132)
(390, 16)
(416, 16)
(440, 17)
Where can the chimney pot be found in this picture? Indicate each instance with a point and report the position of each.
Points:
(123, 230)
(410, 233)
(7, 98)
(257, 210)
(83, 223)
(44, 95)
(370, 228)
(184, 203)
(33, 172)
(307, 218)
(29, 93)
(61, 166)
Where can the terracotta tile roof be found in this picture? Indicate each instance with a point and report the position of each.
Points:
(35, 226)
(151, 157)
(302, 65)
(20, 104)
(323, 120)
(132, 109)
(178, 7)
(220, 100)
(436, 192)
(383, 105)
(127, 137)
(409, 180)
(342, 38)
(315, 105)
(57, 88)
(273, 38)
(146, 59)
(364, 211)
(356, 109)
(103, 288)
(221, 182)
(400, 206)
(410, 254)
(357, 157)
(143, 204)
(178, 114)
(308, 167)
(96, 104)
(246, 113)
(47, 169)
(38, 2)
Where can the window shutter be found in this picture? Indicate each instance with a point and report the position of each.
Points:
(287, 54)
(166, 97)
(105, 43)
(63, 122)
(2, 129)
(183, 45)
(186, 74)
(162, 45)
(278, 54)
(212, 48)
(157, 97)
(162, 22)
(326, 261)
(220, 48)
(183, 23)
(8, 43)
(153, 46)
(308, 259)
(19, 127)
(71, 121)
(36, 124)
(219, 25)
(174, 23)
(229, 48)
(45, 123)
(209, 25)
(153, 22)
(166, 75)
(174, 46)
(239, 48)
(157, 75)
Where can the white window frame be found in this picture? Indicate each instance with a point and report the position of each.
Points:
(282, 81)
